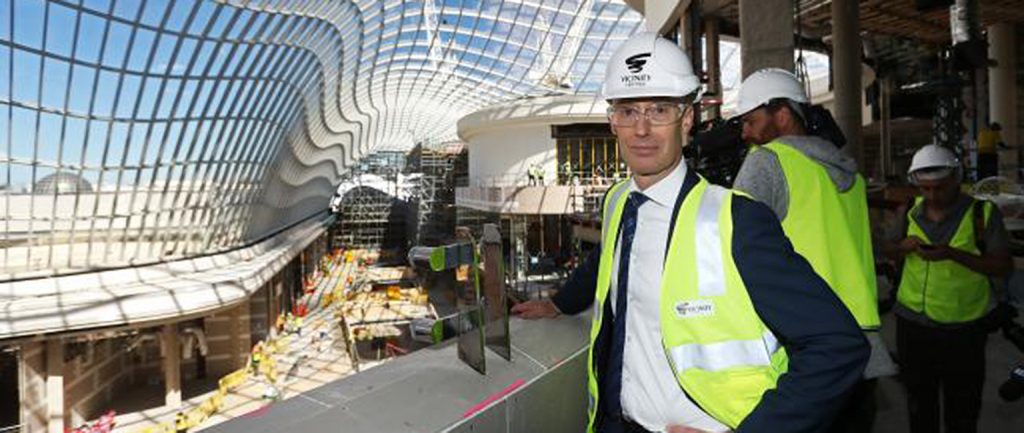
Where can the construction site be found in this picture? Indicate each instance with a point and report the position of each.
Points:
(264, 216)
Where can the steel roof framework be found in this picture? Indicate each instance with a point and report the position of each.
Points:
(203, 126)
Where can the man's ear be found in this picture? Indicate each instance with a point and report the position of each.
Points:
(687, 120)
(786, 119)
(612, 126)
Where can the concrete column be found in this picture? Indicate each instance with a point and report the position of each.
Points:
(55, 385)
(885, 107)
(766, 34)
(1002, 88)
(171, 365)
(846, 69)
(714, 70)
(32, 386)
(662, 15)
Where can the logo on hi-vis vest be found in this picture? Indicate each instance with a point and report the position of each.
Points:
(699, 308)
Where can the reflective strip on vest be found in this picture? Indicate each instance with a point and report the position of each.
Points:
(725, 355)
(609, 205)
(711, 278)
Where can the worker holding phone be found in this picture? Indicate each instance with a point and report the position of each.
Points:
(951, 245)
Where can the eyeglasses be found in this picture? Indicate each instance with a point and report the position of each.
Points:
(662, 113)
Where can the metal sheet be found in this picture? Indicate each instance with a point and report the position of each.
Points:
(495, 299)
(555, 403)
(493, 420)
(429, 391)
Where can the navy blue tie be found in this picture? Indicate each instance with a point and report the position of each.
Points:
(613, 384)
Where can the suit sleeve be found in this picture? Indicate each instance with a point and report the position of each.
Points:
(761, 176)
(827, 350)
(577, 294)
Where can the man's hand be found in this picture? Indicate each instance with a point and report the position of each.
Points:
(536, 309)
(910, 244)
(934, 253)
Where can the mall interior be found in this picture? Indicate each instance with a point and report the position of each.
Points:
(308, 215)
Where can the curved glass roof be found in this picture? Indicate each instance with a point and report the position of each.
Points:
(206, 125)
(203, 126)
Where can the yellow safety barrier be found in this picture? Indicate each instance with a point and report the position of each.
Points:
(268, 366)
(226, 384)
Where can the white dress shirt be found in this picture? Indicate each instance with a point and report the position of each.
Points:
(651, 396)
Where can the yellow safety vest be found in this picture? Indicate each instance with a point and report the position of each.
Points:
(945, 291)
(831, 230)
(722, 354)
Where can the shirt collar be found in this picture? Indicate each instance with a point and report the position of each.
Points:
(665, 190)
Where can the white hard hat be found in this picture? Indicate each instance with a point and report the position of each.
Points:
(930, 157)
(647, 65)
(767, 84)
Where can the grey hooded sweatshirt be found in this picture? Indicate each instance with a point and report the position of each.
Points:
(761, 174)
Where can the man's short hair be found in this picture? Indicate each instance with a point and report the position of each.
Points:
(776, 104)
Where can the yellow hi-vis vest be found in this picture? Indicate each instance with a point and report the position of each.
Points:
(945, 291)
(722, 354)
(831, 230)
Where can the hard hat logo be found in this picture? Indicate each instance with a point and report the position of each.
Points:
(639, 80)
(636, 63)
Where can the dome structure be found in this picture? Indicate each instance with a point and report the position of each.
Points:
(61, 182)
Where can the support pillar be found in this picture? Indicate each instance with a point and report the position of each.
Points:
(171, 365)
(55, 386)
(713, 68)
(846, 69)
(766, 35)
(1002, 89)
(885, 135)
(32, 386)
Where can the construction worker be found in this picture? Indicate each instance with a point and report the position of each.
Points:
(821, 200)
(989, 140)
(256, 357)
(533, 174)
(951, 245)
(180, 423)
(705, 319)
(567, 172)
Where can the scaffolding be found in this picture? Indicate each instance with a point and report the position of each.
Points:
(396, 198)
(374, 212)
(435, 192)
(372, 219)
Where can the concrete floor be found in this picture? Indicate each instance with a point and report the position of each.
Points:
(997, 416)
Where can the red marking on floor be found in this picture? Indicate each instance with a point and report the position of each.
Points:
(258, 412)
(493, 398)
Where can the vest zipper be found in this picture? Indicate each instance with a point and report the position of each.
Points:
(924, 291)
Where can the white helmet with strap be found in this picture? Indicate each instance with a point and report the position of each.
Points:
(647, 65)
(768, 84)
